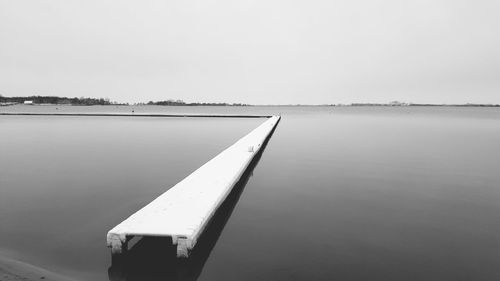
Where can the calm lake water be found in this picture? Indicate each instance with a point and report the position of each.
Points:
(355, 193)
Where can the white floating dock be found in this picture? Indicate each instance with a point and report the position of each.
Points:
(184, 211)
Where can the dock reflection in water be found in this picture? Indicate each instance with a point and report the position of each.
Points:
(154, 258)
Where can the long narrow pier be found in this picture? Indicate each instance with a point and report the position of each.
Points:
(185, 210)
(137, 115)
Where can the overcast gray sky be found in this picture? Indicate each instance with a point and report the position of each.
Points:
(260, 52)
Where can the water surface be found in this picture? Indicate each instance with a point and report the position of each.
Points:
(338, 194)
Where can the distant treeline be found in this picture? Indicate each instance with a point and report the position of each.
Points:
(182, 103)
(56, 100)
(101, 101)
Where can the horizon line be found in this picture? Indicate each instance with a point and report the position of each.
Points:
(179, 102)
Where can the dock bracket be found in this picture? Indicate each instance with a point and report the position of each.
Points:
(184, 247)
(118, 243)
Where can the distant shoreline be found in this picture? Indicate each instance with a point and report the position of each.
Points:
(137, 115)
(86, 101)
(263, 105)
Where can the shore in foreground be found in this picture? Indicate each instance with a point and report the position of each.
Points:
(15, 270)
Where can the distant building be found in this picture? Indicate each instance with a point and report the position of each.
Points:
(28, 102)
(398, 103)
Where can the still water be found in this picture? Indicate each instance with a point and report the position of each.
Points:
(337, 194)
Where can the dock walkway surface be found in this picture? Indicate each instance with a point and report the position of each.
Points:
(185, 210)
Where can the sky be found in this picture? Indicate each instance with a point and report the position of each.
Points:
(257, 52)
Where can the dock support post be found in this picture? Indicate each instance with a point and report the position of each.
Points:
(117, 243)
(183, 247)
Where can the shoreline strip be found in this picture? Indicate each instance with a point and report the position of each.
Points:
(137, 115)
